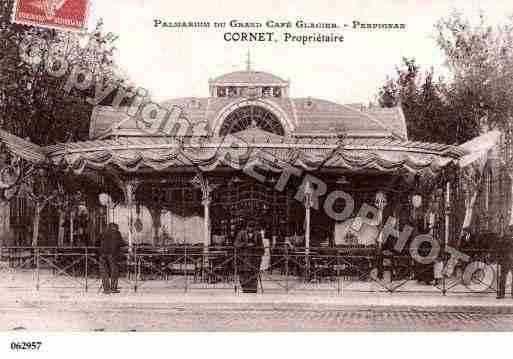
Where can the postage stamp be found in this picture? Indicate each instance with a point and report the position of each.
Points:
(71, 15)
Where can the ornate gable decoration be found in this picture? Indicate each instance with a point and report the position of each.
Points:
(10, 168)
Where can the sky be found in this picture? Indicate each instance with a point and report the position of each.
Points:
(179, 62)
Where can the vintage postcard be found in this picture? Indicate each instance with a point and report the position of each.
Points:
(57, 14)
(285, 166)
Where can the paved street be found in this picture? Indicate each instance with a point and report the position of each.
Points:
(204, 312)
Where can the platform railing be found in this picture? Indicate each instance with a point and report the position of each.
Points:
(290, 269)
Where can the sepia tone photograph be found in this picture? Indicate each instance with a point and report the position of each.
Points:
(280, 166)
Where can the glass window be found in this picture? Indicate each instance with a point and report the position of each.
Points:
(244, 117)
(221, 92)
(232, 91)
(266, 92)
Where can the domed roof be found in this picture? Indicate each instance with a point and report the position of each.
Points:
(249, 78)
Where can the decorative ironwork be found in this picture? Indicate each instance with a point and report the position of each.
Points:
(247, 116)
(41, 186)
(129, 188)
(10, 168)
(188, 268)
(203, 183)
(507, 148)
(308, 201)
(507, 161)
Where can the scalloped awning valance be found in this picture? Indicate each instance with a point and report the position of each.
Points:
(159, 154)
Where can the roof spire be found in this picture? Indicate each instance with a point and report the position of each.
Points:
(248, 61)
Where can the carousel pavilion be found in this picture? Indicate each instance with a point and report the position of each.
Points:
(163, 188)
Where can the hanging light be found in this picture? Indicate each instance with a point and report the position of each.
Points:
(105, 199)
(416, 200)
(381, 200)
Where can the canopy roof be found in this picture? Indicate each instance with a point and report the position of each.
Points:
(161, 153)
(478, 149)
(143, 154)
(308, 133)
(22, 148)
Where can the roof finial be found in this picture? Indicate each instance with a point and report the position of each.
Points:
(248, 61)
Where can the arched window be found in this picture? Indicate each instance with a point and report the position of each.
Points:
(248, 116)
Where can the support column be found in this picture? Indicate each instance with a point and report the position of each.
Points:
(202, 182)
(511, 201)
(92, 205)
(308, 206)
(206, 224)
(60, 235)
(110, 212)
(92, 225)
(447, 213)
(380, 202)
(446, 271)
(38, 207)
(156, 223)
(383, 257)
(129, 188)
(71, 226)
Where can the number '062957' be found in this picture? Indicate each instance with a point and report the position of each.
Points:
(26, 345)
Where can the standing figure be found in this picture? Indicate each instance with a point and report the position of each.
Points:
(505, 260)
(110, 250)
(232, 233)
(248, 244)
(266, 257)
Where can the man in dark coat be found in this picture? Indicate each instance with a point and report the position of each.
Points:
(505, 260)
(424, 272)
(249, 247)
(110, 250)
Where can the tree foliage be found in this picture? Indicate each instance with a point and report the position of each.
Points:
(427, 105)
(480, 62)
(480, 58)
(33, 102)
